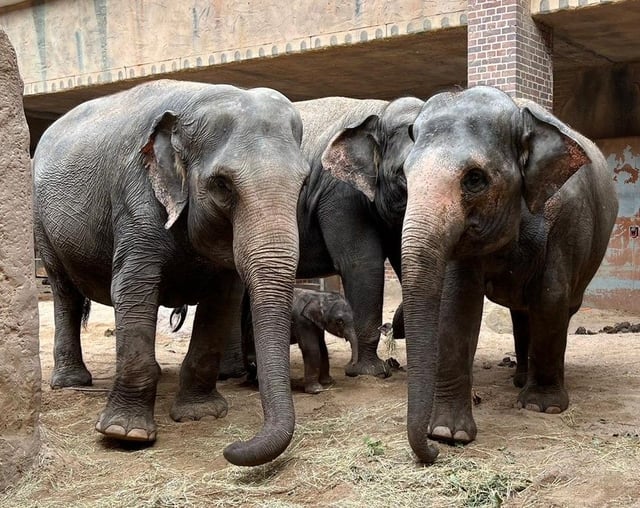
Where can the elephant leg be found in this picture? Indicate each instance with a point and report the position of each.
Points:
(309, 341)
(520, 320)
(544, 389)
(128, 414)
(356, 251)
(325, 369)
(364, 290)
(216, 319)
(68, 309)
(460, 317)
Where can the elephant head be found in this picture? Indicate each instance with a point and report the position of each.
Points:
(369, 155)
(331, 312)
(476, 156)
(230, 168)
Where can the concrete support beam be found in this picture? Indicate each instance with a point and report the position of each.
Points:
(19, 362)
(506, 49)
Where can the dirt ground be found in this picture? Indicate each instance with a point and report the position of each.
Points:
(350, 447)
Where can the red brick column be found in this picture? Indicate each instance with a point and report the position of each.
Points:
(508, 50)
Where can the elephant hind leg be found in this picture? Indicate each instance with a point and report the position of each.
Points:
(216, 320)
(520, 320)
(544, 390)
(70, 310)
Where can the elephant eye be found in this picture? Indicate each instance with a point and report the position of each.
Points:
(475, 180)
(221, 189)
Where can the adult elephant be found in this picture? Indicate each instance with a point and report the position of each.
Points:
(162, 195)
(343, 231)
(504, 200)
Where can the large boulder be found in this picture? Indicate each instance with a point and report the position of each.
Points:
(19, 362)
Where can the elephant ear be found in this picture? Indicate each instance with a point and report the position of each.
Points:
(550, 156)
(164, 165)
(353, 156)
(314, 312)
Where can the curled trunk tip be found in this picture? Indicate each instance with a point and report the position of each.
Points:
(263, 448)
(425, 451)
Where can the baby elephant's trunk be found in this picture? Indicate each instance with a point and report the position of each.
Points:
(352, 339)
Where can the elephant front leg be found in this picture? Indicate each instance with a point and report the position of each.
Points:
(315, 357)
(544, 389)
(128, 414)
(215, 320)
(364, 290)
(460, 317)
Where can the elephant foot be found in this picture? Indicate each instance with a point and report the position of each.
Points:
(76, 375)
(189, 409)
(452, 426)
(368, 367)
(547, 399)
(318, 386)
(313, 388)
(127, 426)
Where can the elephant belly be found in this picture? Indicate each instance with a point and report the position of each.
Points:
(315, 260)
(505, 294)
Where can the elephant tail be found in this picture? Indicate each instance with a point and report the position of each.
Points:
(179, 314)
(86, 310)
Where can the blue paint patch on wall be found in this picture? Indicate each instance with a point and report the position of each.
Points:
(39, 20)
(100, 7)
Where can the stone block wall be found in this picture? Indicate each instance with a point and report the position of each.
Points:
(19, 362)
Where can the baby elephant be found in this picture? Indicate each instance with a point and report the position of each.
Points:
(313, 312)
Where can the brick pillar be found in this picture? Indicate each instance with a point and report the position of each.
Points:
(506, 49)
(19, 361)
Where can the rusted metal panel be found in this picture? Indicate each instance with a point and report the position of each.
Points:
(617, 283)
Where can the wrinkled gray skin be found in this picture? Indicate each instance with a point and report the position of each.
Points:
(312, 313)
(162, 195)
(504, 201)
(343, 231)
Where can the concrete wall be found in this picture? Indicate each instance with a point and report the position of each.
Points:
(69, 43)
(19, 361)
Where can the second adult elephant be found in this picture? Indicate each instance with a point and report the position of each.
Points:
(343, 231)
(504, 200)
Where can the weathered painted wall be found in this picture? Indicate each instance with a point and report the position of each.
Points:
(68, 43)
(617, 283)
(543, 6)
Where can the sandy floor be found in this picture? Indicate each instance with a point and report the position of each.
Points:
(350, 447)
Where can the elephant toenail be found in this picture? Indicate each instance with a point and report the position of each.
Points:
(442, 432)
(553, 410)
(140, 435)
(533, 407)
(461, 436)
(114, 430)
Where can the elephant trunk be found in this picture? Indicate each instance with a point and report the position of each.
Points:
(267, 262)
(431, 228)
(352, 339)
